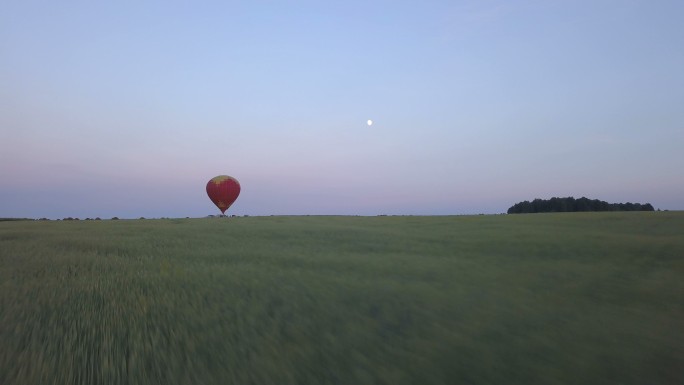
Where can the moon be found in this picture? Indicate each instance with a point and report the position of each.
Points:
(369, 122)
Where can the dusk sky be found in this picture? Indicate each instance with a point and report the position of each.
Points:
(128, 108)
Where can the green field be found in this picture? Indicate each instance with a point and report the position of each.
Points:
(574, 298)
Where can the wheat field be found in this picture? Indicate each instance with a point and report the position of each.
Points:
(572, 298)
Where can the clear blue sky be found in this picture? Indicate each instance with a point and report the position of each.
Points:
(128, 108)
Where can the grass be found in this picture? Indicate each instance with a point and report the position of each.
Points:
(573, 298)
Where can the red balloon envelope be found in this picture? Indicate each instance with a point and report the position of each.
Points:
(223, 190)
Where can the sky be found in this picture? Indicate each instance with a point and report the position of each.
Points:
(128, 108)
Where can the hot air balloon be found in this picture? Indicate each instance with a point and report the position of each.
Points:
(223, 190)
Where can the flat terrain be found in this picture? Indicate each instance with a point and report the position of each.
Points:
(573, 298)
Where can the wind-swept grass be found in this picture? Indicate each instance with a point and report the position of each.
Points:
(586, 298)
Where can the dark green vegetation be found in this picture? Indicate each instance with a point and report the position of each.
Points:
(570, 204)
(579, 298)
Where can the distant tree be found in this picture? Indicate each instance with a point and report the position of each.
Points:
(571, 204)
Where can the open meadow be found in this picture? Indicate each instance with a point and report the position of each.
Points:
(571, 298)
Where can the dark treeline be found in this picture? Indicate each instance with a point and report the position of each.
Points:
(570, 204)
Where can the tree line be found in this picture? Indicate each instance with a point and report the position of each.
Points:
(570, 204)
